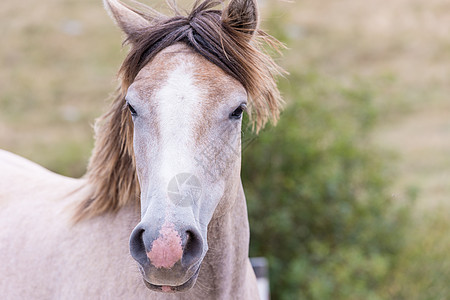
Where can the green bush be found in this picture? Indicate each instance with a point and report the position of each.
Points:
(423, 269)
(317, 195)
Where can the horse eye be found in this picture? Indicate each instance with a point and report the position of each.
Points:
(132, 110)
(237, 113)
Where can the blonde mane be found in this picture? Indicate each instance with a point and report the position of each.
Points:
(214, 34)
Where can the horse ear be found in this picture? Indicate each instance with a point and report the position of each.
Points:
(126, 18)
(242, 15)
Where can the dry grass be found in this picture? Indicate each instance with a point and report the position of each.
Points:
(404, 47)
(57, 63)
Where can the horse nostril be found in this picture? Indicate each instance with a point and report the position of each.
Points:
(137, 246)
(193, 249)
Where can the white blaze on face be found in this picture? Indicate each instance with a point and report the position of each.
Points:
(179, 103)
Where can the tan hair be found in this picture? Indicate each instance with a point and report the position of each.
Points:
(219, 36)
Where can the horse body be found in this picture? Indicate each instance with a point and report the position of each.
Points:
(165, 169)
(45, 256)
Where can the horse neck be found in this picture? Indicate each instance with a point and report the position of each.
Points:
(224, 269)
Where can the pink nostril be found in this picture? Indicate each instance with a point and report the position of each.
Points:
(166, 249)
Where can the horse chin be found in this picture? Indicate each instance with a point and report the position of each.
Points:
(173, 289)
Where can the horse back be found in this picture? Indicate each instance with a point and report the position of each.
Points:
(21, 179)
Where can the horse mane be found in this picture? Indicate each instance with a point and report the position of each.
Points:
(218, 37)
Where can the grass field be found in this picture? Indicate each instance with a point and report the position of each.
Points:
(58, 61)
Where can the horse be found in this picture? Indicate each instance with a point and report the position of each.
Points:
(161, 211)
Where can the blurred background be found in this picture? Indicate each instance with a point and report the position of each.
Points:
(348, 196)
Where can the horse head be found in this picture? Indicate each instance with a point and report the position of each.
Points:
(176, 125)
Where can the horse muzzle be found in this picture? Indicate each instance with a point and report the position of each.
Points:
(169, 258)
(171, 288)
